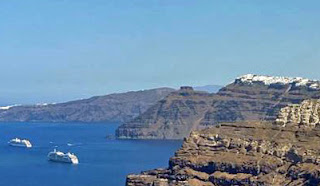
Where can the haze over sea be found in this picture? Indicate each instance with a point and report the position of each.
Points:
(102, 161)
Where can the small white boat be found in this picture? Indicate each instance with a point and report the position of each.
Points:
(20, 143)
(59, 156)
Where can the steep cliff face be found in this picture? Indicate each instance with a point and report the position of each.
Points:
(248, 98)
(114, 107)
(244, 153)
(171, 118)
(255, 98)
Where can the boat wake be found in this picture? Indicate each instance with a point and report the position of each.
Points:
(73, 144)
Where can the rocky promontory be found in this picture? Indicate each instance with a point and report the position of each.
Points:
(171, 118)
(247, 98)
(246, 153)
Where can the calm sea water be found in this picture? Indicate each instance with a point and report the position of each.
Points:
(102, 162)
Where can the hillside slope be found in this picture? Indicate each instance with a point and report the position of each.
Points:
(119, 107)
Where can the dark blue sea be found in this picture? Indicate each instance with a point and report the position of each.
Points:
(103, 162)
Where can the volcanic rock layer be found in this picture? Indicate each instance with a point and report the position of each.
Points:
(245, 153)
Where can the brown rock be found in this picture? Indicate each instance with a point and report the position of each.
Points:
(248, 98)
(247, 153)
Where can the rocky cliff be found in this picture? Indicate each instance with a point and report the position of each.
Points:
(171, 118)
(247, 98)
(245, 153)
(254, 98)
(114, 107)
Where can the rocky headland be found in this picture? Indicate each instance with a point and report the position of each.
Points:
(247, 98)
(171, 118)
(285, 151)
(118, 107)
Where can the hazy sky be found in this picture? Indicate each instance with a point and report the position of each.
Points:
(56, 50)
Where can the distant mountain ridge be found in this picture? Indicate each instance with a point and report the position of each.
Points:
(117, 107)
(248, 98)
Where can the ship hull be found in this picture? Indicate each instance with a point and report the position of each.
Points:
(20, 145)
(62, 159)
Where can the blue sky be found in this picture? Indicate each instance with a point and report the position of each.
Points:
(57, 50)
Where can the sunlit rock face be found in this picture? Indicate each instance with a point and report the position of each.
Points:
(247, 153)
(247, 98)
(306, 113)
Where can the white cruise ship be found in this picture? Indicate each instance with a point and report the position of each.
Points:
(20, 143)
(59, 156)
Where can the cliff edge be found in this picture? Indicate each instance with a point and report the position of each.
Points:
(246, 153)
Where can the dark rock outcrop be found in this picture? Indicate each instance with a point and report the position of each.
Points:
(248, 98)
(244, 153)
(171, 118)
(114, 107)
